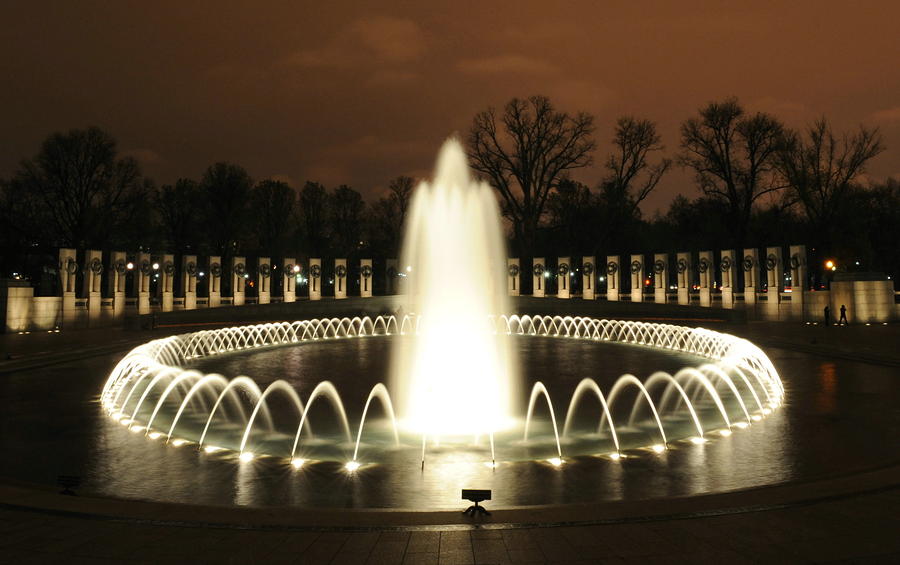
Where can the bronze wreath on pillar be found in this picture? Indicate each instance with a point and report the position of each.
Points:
(563, 269)
(725, 265)
(659, 266)
(240, 270)
(71, 266)
(265, 270)
(513, 270)
(145, 267)
(795, 261)
(366, 271)
(635, 267)
(169, 268)
(96, 266)
(341, 271)
(215, 269)
(538, 270)
(120, 266)
(681, 265)
(748, 263)
(587, 269)
(191, 269)
(612, 268)
(315, 270)
(703, 265)
(771, 262)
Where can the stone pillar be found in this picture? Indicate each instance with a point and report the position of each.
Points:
(728, 267)
(239, 278)
(214, 299)
(750, 265)
(514, 277)
(637, 278)
(365, 278)
(167, 283)
(264, 280)
(68, 271)
(684, 279)
(340, 278)
(93, 274)
(798, 278)
(539, 281)
(707, 277)
(16, 301)
(588, 278)
(774, 275)
(143, 272)
(660, 277)
(189, 271)
(291, 270)
(564, 282)
(115, 284)
(315, 279)
(390, 276)
(613, 278)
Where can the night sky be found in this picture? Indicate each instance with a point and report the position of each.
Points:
(357, 94)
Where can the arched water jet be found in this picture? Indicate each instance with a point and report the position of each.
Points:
(588, 384)
(661, 376)
(241, 381)
(380, 391)
(327, 389)
(536, 391)
(626, 380)
(213, 379)
(261, 401)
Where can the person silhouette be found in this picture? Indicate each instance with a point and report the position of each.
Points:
(843, 319)
(827, 316)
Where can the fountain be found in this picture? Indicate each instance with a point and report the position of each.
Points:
(454, 378)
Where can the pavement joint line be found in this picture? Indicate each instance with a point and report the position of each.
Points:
(691, 515)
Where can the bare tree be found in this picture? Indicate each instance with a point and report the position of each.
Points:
(272, 205)
(179, 206)
(314, 217)
(631, 178)
(86, 193)
(401, 189)
(347, 208)
(525, 153)
(821, 169)
(227, 188)
(733, 156)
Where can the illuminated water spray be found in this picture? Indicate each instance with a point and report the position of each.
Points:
(455, 375)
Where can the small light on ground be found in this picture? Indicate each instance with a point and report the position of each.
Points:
(211, 449)
(246, 456)
(756, 417)
(137, 429)
(698, 440)
(297, 463)
(555, 461)
(659, 448)
(766, 411)
(351, 466)
(178, 442)
(741, 425)
(154, 435)
(725, 433)
(615, 456)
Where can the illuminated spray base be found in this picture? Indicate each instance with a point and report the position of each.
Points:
(150, 385)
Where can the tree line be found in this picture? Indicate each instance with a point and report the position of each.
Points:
(757, 182)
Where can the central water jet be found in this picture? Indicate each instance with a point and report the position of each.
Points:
(454, 375)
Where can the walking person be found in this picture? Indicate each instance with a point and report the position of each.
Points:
(827, 316)
(843, 321)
